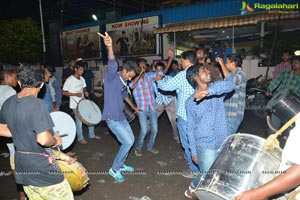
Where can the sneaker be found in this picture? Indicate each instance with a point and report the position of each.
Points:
(190, 193)
(189, 174)
(138, 152)
(116, 175)
(154, 151)
(126, 168)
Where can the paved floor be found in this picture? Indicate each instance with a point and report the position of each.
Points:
(157, 176)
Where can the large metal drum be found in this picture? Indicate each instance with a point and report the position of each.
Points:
(284, 105)
(242, 164)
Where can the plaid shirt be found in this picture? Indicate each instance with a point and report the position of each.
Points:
(278, 69)
(235, 105)
(286, 80)
(143, 92)
(183, 89)
(162, 99)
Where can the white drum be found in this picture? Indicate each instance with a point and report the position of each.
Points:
(88, 112)
(64, 126)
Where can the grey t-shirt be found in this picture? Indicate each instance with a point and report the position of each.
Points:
(26, 118)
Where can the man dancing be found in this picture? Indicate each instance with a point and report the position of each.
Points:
(115, 92)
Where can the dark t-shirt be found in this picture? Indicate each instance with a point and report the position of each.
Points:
(88, 76)
(26, 117)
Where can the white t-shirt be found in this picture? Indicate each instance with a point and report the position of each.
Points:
(6, 92)
(74, 85)
(290, 153)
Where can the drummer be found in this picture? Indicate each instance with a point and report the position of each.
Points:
(30, 124)
(74, 87)
(115, 93)
(285, 181)
(287, 80)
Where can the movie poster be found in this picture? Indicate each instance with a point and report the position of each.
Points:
(81, 43)
(134, 37)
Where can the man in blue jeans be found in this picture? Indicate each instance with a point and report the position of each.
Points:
(115, 93)
(184, 90)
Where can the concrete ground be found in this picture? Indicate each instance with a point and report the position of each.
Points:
(157, 177)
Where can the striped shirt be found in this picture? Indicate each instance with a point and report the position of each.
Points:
(183, 89)
(235, 104)
(278, 69)
(143, 92)
(286, 80)
(162, 99)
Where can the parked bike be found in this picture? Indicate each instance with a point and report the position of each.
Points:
(256, 100)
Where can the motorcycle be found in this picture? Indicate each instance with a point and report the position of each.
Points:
(256, 100)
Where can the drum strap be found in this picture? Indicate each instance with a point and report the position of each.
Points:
(125, 85)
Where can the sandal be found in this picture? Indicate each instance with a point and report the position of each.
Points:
(97, 137)
(83, 141)
(190, 193)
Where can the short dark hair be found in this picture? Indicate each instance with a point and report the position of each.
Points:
(236, 59)
(30, 76)
(159, 64)
(139, 60)
(79, 64)
(6, 69)
(190, 55)
(191, 73)
(130, 66)
(174, 62)
(50, 68)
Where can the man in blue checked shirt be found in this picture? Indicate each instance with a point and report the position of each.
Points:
(207, 123)
(235, 102)
(184, 90)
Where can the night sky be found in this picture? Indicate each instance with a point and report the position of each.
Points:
(19, 9)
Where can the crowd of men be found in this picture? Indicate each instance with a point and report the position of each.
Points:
(204, 101)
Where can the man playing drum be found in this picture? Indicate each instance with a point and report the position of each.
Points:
(74, 87)
(115, 92)
(285, 181)
(30, 123)
(288, 80)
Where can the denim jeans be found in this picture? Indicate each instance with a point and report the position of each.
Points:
(78, 123)
(233, 124)
(182, 128)
(124, 134)
(143, 119)
(206, 159)
(171, 112)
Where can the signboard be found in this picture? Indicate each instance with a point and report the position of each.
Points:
(134, 37)
(81, 43)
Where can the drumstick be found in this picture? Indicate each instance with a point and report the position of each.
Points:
(64, 135)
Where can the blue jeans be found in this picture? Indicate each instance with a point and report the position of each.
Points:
(233, 124)
(143, 119)
(124, 134)
(206, 159)
(182, 128)
(78, 123)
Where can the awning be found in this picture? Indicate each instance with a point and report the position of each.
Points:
(239, 20)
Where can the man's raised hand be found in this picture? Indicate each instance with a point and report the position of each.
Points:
(106, 39)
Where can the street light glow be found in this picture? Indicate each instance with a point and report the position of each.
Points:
(95, 17)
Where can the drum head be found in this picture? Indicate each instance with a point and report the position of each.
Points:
(276, 98)
(89, 112)
(64, 124)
